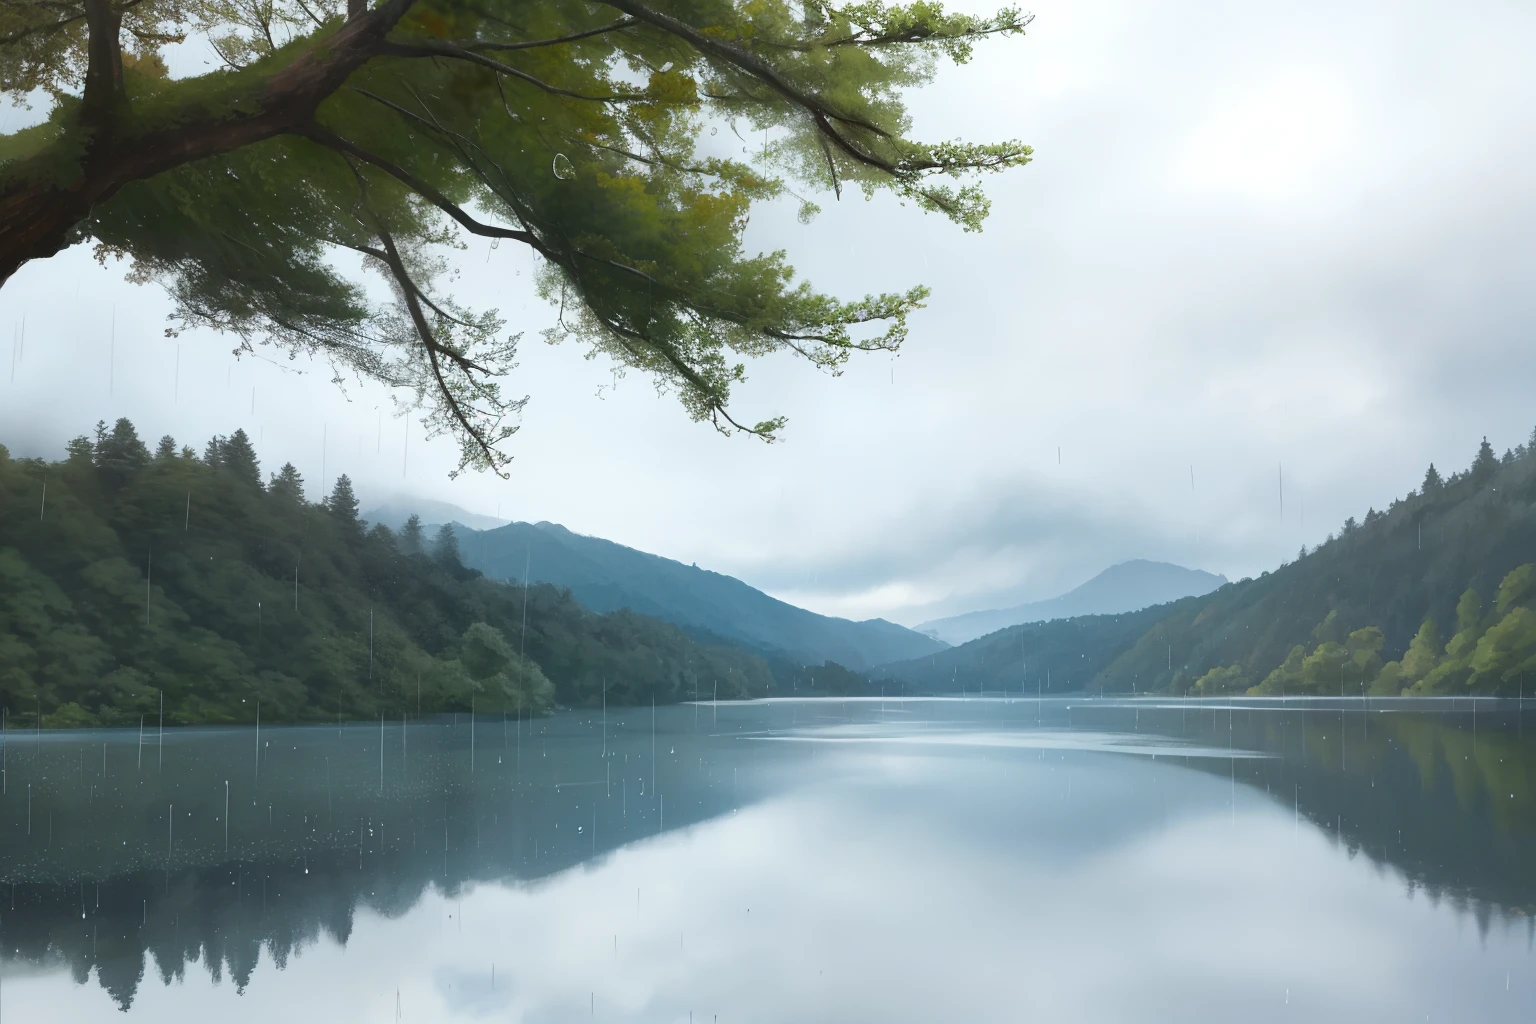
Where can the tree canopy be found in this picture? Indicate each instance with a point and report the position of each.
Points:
(380, 137)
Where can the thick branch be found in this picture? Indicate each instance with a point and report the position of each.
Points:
(332, 141)
(41, 30)
(433, 48)
(479, 44)
(69, 13)
(916, 34)
(39, 208)
(736, 56)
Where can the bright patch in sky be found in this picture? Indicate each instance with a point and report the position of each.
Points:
(1277, 142)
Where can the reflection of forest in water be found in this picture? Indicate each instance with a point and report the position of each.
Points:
(98, 867)
(107, 852)
(1439, 791)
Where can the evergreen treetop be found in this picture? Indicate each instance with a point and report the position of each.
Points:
(238, 457)
(445, 548)
(287, 484)
(411, 541)
(119, 453)
(342, 503)
(1485, 463)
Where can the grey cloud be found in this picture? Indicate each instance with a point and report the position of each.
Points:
(1238, 249)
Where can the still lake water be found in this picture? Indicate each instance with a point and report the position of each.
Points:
(783, 861)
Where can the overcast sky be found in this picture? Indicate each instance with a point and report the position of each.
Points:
(1253, 237)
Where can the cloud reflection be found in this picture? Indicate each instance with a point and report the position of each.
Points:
(910, 884)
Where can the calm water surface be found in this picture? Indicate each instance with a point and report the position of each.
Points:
(920, 860)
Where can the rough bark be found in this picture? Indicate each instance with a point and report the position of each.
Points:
(103, 93)
(44, 198)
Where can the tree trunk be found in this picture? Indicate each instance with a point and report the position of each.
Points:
(103, 96)
(45, 197)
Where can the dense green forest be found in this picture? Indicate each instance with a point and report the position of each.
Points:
(128, 576)
(1434, 595)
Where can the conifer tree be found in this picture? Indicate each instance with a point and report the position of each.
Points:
(1432, 481)
(287, 485)
(239, 458)
(445, 549)
(411, 541)
(120, 454)
(342, 504)
(1484, 465)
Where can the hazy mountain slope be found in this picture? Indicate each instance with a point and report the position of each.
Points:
(1443, 553)
(1120, 588)
(396, 511)
(1058, 656)
(605, 576)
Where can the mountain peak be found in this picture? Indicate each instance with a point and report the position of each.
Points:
(1124, 587)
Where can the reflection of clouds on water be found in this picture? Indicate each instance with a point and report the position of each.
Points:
(963, 863)
(1045, 739)
(472, 993)
(914, 888)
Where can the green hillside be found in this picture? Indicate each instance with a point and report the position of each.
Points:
(605, 576)
(127, 574)
(1433, 595)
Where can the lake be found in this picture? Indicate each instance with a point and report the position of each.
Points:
(783, 861)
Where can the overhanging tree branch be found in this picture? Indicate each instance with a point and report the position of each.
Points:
(39, 207)
(617, 26)
(235, 200)
(433, 48)
(332, 141)
(743, 59)
(410, 295)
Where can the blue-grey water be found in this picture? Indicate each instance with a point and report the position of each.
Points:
(785, 861)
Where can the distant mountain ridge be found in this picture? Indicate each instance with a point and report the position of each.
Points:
(396, 511)
(1126, 587)
(605, 576)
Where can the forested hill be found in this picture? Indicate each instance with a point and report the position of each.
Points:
(126, 574)
(606, 576)
(1436, 594)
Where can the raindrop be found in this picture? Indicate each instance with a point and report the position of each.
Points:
(562, 167)
(714, 131)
